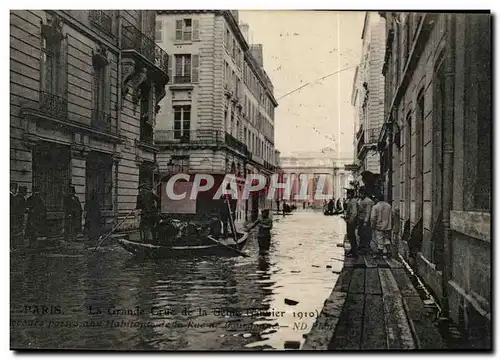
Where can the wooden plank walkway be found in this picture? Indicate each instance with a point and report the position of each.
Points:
(373, 306)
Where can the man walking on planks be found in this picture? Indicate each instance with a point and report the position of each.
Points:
(364, 229)
(381, 223)
(351, 216)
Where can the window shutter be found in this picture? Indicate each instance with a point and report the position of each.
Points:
(169, 68)
(195, 68)
(64, 71)
(107, 94)
(196, 30)
(178, 29)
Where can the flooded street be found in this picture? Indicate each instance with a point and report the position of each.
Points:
(110, 300)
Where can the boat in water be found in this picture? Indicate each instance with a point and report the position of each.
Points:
(209, 247)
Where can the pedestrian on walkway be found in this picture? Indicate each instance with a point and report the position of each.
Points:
(364, 229)
(37, 216)
(351, 217)
(265, 223)
(381, 223)
(93, 217)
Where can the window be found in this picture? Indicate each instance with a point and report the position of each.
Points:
(419, 154)
(182, 121)
(99, 178)
(158, 29)
(228, 40)
(100, 93)
(234, 50)
(187, 30)
(182, 69)
(53, 68)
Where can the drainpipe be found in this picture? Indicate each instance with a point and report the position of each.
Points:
(447, 198)
(389, 158)
(118, 102)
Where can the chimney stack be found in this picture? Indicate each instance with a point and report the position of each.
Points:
(256, 50)
(245, 29)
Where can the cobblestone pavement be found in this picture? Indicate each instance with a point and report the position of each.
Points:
(68, 297)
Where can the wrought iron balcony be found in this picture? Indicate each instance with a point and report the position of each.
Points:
(234, 143)
(182, 79)
(102, 120)
(206, 137)
(134, 40)
(54, 104)
(372, 135)
(102, 20)
(146, 135)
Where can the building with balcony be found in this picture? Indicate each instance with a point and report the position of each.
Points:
(436, 163)
(218, 117)
(78, 114)
(368, 94)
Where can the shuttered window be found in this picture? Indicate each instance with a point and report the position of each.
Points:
(182, 69)
(187, 30)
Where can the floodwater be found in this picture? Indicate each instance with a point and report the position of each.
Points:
(109, 300)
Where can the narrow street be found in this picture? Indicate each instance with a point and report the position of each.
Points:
(183, 304)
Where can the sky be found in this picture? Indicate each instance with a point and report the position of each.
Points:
(300, 47)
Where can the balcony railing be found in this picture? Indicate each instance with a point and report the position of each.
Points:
(134, 39)
(54, 104)
(372, 135)
(101, 120)
(234, 143)
(102, 20)
(188, 137)
(146, 135)
(182, 79)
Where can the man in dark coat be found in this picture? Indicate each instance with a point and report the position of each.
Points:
(224, 210)
(37, 216)
(330, 206)
(20, 209)
(93, 217)
(72, 208)
(13, 209)
(147, 203)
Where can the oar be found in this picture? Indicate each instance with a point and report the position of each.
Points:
(103, 238)
(229, 247)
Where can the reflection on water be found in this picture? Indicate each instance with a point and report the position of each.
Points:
(110, 300)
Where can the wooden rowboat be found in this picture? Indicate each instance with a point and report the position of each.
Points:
(209, 249)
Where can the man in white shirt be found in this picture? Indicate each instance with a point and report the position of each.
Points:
(381, 223)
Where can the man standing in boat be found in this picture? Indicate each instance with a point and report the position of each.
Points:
(146, 202)
(224, 210)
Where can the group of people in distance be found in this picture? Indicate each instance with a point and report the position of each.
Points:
(369, 218)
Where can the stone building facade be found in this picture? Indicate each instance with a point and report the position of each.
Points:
(84, 91)
(436, 162)
(219, 115)
(368, 93)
